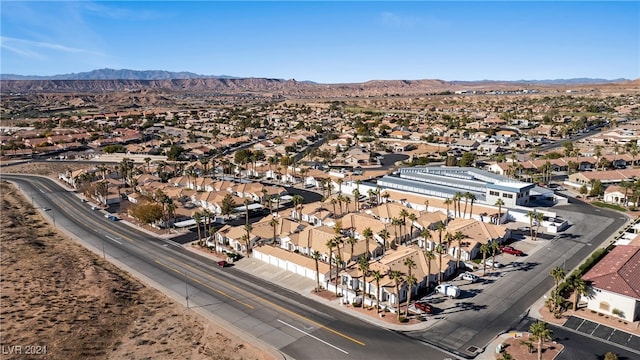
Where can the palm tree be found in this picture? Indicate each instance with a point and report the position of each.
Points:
(297, 205)
(459, 236)
(396, 276)
(579, 287)
(412, 218)
(147, 160)
(248, 228)
(339, 263)
(384, 235)
(429, 255)
(426, 235)
(540, 332)
(315, 255)
(347, 201)
(499, 203)
(448, 202)
(458, 197)
(404, 213)
(466, 197)
(539, 218)
(484, 249)
(197, 217)
(531, 215)
(495, 247)
(330, 244)
(473, 199)
(368, 235)
(377, 276)
(274, 224)
(395, 222)
(356, 198)
(352, 241)
(440, 250)
(363, 266)
(410, 264)
(411, 281)
(557, 273)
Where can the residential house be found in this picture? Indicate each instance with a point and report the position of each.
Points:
(615, 284)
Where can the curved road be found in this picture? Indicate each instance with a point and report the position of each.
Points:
(294, 325)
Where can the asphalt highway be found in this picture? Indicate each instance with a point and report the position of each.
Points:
(297, 327)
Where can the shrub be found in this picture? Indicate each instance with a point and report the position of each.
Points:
(403, 319)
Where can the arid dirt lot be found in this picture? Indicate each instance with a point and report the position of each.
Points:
(57, 294)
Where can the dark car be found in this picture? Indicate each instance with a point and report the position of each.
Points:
(222, 263)
(511, 250)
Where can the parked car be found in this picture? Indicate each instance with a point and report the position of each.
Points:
(511, 250)
(449, 290)
(222, 263)
(424, 306)
(469, 276)
(495, 264)
(46, 209)
(94, 207)
(111, 217)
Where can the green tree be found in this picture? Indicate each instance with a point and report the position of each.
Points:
(410, 264)
(363, 266)
(429, 256)
(495, 248)
(198, 217)
(227, 205)
(147, 212)
(368, 235)
(610, 356)
(174, 152)
(579, 288)
(485, 250)
(411, 282)
(499, 203)
(274, 224)
(540, 332)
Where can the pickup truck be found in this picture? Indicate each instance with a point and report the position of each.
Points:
(449, 290)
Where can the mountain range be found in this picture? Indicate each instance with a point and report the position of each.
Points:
(128, 74)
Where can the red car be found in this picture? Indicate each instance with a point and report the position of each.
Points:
(424, 307)
(222, 263)
(511, 250)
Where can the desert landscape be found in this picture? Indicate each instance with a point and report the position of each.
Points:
(74, 305)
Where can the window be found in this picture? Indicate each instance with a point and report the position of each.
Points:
(494, 193)
(508, 196)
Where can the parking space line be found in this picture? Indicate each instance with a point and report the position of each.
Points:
(582, 322)
(594, 330)
(610, 335)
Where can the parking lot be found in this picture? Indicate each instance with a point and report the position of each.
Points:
(603, 332)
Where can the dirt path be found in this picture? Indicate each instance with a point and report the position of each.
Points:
(59, 295)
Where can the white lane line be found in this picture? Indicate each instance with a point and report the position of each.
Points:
(311, 336)
(110, 238)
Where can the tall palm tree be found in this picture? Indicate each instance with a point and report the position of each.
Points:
(274, 224)
(429, 255)
(531, 215)
(368, 235)
(339, 264)
(377, 276)
(347, 201)
(448, 202)
(557, 273)
(404, 213)
(198, 217)
(411, 281)
(396, 276)
(540, 332)
(473, 199)
(499, 203)
(539, 218)
(330, 244)
(356, 198)
(351, 240)
(425, 233)
(484, 249)
(315, 255)
(363, 266)
(412, 218)
(410, 264)
(495, 247)
(459, 236)
(297, 205)
(396, 223)
(580, 288)
(248, 228)
(466, 197)
(458, 197)
(440, 249)
(384, 235)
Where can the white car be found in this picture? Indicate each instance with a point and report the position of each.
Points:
(469, 276)
(449, 290)
(495, 264)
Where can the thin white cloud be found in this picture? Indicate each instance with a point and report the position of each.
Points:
(396, 20)
(29, 48)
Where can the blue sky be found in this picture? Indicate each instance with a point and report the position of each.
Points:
(328, 42)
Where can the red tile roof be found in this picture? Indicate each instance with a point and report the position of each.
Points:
(618, 272)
